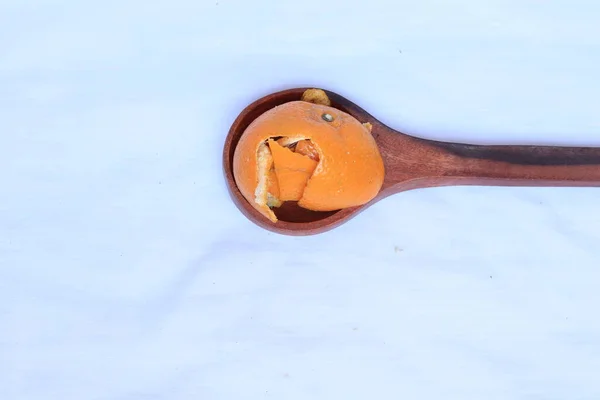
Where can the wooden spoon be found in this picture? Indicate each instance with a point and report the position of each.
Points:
(412, 163)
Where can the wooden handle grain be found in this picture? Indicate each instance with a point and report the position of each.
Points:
(413, 162)
(522, 165)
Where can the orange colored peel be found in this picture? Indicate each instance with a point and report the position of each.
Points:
(309, 152)
(306, 148)
(293, 170)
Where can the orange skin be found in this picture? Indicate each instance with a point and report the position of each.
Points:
(336, 164)
(305, 147)
(293, 170)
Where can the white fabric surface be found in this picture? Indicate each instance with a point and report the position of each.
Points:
(127, 273)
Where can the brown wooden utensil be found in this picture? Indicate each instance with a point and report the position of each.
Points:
(412, 163)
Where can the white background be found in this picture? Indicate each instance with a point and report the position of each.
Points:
(127, 273)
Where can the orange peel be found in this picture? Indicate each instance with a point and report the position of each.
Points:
(293, 170)
(310, 152)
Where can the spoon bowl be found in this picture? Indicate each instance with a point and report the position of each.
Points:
(412, 162)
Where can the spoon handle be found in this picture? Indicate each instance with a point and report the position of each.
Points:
(413, 162)
(500, 165)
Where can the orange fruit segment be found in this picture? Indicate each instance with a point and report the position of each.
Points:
(293, 170)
